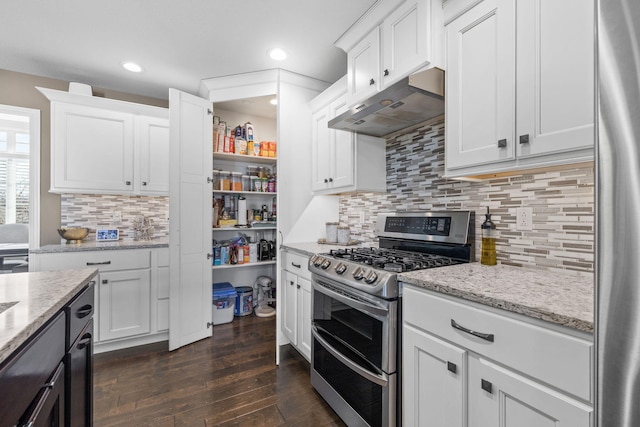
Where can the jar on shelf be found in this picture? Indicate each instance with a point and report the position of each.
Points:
(216, 179)
(256, 184)
(246, 183)
(225, 181)
(236, 181)
(344, 234)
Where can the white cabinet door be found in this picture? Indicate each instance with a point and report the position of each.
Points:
(321, 150)
(555, 69)
(342, 149)
(124, 303)
(190, 211)
(153, 156)
(304, 316)
(498, 396)
(405, 37)
(92, 149)
(434, 380)
(364, 68)
(290, 308)
(480, 85)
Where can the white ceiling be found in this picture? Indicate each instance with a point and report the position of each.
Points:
(178, 42)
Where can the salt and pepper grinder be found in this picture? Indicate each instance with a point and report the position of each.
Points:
(489, 235)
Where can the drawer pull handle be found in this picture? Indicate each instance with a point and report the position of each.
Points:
(524, 139)
(295, 265)
(84, 311)
(502, 143)
(487, 337)
(487, 386)
(99, 263)
(451, 367)
(85, 341)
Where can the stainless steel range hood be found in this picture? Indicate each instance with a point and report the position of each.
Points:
(410, 101)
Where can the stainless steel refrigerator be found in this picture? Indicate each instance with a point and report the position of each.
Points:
(618, 214)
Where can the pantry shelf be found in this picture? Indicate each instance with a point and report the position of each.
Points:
(244, 228)
(253, 193)
(245, 158)
(248, 265)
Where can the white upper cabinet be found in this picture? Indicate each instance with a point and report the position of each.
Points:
(519, 85)
(343, 161)
(105, 146)
(153, 156)
(392, 40)
(363, 67)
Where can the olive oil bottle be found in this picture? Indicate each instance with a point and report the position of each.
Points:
(489, 234)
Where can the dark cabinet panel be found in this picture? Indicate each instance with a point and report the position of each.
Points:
(79, 380)
(48, 409)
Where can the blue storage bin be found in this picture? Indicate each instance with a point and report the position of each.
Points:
(224, 299)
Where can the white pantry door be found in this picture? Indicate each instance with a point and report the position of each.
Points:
(190, 215)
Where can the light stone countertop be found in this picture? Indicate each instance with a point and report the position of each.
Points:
(564, 298)
(39, 296)
(310, 248)
(92, 245)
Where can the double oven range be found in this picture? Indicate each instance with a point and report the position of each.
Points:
(357, 310)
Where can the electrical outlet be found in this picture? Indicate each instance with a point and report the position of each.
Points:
(524, 219)
(117, 216)
(361, 217)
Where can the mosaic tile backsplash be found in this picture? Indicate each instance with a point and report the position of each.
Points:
(96, 211)
(562, 203)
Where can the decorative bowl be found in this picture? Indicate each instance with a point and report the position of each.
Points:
(73, 234)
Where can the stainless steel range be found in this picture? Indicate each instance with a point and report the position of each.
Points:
(357, 310)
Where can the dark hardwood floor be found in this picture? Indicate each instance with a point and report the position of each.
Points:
(228, 380)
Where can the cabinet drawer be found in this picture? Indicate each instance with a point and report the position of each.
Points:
(558, 359)
(79, 313)
(296, 263)
(27, 372)
(102, 260)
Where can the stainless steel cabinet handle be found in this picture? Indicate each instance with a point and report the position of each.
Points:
(502, 143)
(386, 72)
(486, 386)
(372, 82)
(296, 265)
(524, 139)
(487, 337)
(209, 256)
(84, 311)
(99, 263)
(451, 367)
(209, 180)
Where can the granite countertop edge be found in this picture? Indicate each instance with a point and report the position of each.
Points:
(102, 246)
(573, 313)
(55, 301)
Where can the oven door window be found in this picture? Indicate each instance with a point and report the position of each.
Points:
(362, 395)
(362, 333)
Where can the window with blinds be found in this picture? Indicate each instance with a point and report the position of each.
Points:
(14, 169)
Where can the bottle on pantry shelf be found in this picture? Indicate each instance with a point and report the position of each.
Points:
(247, 253)
(255, 183)
(246, 183)
(271, 184)
(489, 235)
(240, 252)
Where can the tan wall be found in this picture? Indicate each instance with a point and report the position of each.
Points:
(18, 89)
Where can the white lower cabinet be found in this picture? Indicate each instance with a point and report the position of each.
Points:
(132, 292)
(125, 303)
(296, 312)
(520, 374)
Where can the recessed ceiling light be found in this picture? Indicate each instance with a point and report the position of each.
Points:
(273, 101)
(132, 66)
(277, 54)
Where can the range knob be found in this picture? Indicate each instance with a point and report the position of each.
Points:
(325, 264)
(341, 268)
(359, 273)
(318, 261)
(371, 277)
